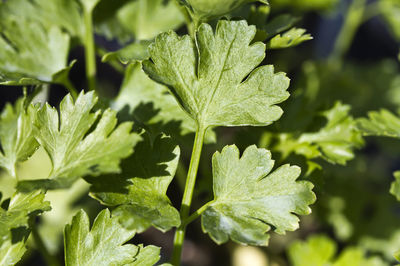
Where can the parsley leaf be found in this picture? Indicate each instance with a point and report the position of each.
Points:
(249, 199)
(152, 106)
(14, 227)
(395, 187)
(103, 244)
(16, 136)
(292, 37)
(382, 123)
(206, 74)
(75, 146)
(140, 191)
(320, 250)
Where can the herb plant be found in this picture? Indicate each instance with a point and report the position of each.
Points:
(205, 131)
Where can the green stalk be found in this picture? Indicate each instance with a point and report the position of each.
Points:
(90, 55)
(353, 20)
(196, 214)
(188, 194)
(50, 259)
(71, 88)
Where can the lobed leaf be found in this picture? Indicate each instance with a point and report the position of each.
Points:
(139, 192)
(395, 186)
(80, 142)
(14, 227)
(292, 37)
(206, 75)
(103, 244)
(249, 199)
(17, 142)
(382, 123)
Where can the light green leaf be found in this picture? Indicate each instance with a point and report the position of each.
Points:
(15, 218)
(16, 136)
(88, 5)
(320, 250)
(390, 10)
(132, 53)
(204, 10)
(338, 138)
(103, 244)
(140, 190)
(80, 142)
(395, 187)
(397, 256)
(292, 37)
(206, 75)
(382, 123)
(138, 19)
(152, 106)
(249, 199)
(146, 256)
(30, 53)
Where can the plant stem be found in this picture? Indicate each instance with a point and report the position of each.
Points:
(71, 88)
(50, 259)
(90, 55)
(188, 194)
(353, 20)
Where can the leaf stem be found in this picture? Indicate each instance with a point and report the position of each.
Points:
(353, 19)
(188, 194)
(90, 55)
(71, 88)
(50, 259)
(197, 213)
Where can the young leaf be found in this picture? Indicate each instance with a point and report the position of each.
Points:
(14, 228)
(206, 75)
(152, 106)
(383, 123)
(76, 148)
(293, 37)
(338, 138)
(140, 190)
(249, 199)
(103, 244)
(395, 187)
(17, 142)
(132, 53)
(320, 250)
(204, 10)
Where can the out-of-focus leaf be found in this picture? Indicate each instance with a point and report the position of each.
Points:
(292, 37)
(76, 148)
(395, 187)
(249, 199)
(305, 5)
(132, 53)
(390, 10)
(140, 190)
(17, 142)
(204, 10)
(320, 250)
(14, 227)
(152, 107)
(141, 20)
(382, 123)
(103, 244)
(206, 75)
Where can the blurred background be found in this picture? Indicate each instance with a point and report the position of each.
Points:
(352, 68)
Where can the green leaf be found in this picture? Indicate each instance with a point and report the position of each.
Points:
(139, 19)
(80, 142)
(89, 5)
(140, 190)
(14, 227)
(292, 37)
(397, 256)
(305, 5)
(30, 53)
(206, 75)
(390, 9)
(132, 53)
(338, 138)
(395, 187)
(249, 199)
(382, 123)
(320, 250)
(16, 136)
(279, 24)
(152, 106)
(103, 244)
(204, 10)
